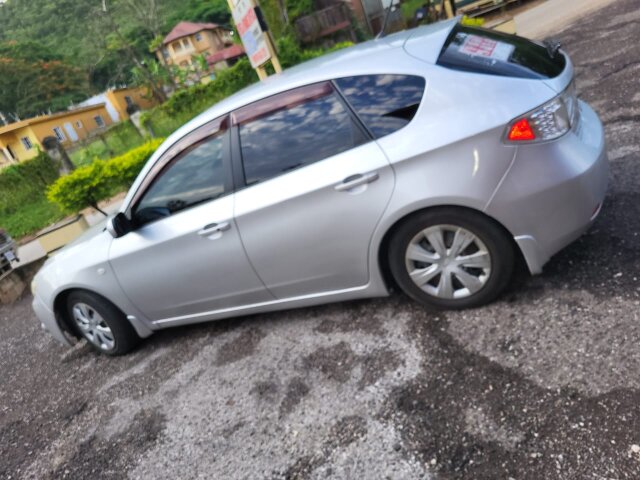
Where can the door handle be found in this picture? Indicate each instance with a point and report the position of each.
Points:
(354, 181)
(214, 228)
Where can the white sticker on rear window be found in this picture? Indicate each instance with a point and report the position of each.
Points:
(486, 47)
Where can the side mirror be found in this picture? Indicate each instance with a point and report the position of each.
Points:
(119, 225)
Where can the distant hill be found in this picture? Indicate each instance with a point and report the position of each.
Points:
(78, 35)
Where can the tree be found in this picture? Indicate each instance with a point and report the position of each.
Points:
(34, 80)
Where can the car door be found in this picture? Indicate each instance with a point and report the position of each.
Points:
(316, 185)
(184, 257)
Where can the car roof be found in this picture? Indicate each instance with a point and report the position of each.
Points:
(356, 60)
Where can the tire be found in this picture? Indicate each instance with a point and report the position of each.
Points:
(100, 322)
(463, 275)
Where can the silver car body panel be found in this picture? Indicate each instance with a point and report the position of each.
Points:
(451, 153)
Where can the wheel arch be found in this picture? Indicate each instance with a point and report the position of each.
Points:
(382, 258)
(65, 323)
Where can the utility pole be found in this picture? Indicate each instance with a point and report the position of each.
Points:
(255, 35)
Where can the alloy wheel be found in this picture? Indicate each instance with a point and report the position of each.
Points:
(93, 326)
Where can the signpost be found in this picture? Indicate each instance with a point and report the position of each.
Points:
(256, 40)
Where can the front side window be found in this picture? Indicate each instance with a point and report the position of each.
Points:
(289, 131)
(59, 135)
(196, 176)
(385, 103)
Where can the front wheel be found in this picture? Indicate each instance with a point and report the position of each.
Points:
(451, 258)
(101, 323)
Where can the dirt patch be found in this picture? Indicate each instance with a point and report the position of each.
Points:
(297, 389)
(470, 418)
(244, 345)
(99, 459)
(335, 362)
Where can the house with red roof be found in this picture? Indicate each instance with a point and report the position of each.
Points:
(189, 39)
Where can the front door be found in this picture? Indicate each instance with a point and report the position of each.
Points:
(185, 259)
(316, 187)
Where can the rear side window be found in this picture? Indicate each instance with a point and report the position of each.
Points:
(385, 103)
(293, 130)
(487, 51)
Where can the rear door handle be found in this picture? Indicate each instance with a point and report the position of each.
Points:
(354, 181)
(214, 228)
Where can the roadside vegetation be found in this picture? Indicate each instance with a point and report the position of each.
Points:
(116, 141)
(103, 49)
(24, 208)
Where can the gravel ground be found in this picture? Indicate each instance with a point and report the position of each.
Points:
(544, 384)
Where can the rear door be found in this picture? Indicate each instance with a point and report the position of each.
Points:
(315, 187)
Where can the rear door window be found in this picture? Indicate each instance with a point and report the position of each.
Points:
(495, 53)
(384, 103)
(294, 129)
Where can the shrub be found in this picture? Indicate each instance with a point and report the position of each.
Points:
(23, 182)
(88, 185)
(23, 207)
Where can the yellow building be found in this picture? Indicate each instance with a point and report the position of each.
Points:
(19, 140)
(188, 39)
(121, 98)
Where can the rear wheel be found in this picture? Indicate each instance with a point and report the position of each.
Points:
(451, 258)
(101, 323)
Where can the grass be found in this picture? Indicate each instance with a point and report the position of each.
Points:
(164, 125)
(117, 140)
(30, 218)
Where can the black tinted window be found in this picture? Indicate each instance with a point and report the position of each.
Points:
(487, 51)
(298, 135)
(195, 177)
(385, 103)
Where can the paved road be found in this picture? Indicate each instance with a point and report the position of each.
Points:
(544, 384)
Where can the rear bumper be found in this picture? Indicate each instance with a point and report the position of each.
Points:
(48, 320)
(553, 192)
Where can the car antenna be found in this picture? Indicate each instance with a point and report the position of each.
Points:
(387, 14)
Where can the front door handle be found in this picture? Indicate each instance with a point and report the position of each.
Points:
(356, 180)
(214, 228)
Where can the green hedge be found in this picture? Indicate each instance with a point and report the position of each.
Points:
(23, 207)
(88, 185)
(21, 182)
(186, 104)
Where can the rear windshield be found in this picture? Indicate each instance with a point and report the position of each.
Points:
(486, 51)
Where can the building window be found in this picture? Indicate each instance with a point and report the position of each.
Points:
(99, 121)
(165, 53)
(59, 134)
(177, 47)
(185, 42)
(26, 142)
(198, 37)
(79, 124)
(129, 100)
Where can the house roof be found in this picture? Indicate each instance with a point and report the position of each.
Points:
(184, 29)
(43, 118)
(226, 53)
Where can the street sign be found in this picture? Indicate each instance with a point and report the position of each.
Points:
(253, 38)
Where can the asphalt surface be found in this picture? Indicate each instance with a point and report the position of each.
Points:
(544, 384)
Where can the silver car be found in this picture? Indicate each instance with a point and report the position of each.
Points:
(429, 160)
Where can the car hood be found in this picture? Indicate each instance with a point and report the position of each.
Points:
(92, 244)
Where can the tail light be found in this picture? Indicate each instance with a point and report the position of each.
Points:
(547, 122)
